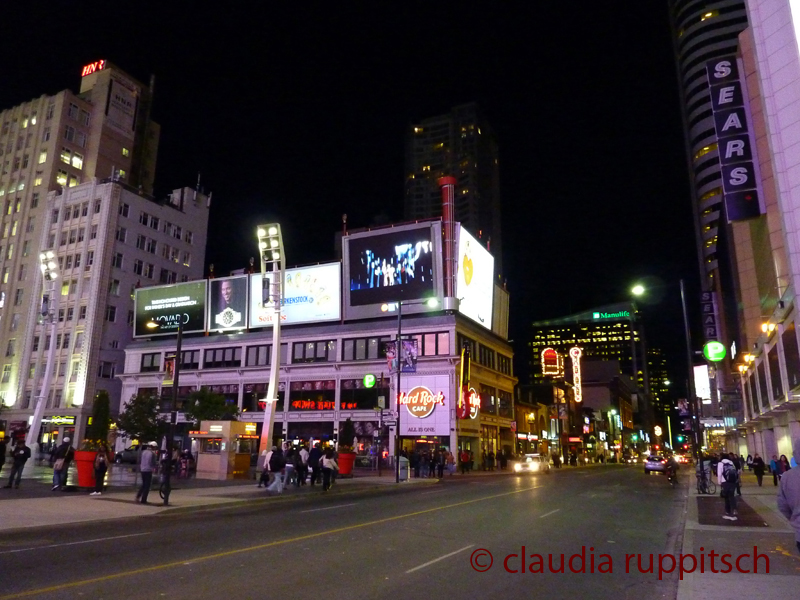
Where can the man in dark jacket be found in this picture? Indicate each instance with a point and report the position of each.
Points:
(277, 464)
(64, 453)
(314, 458)
(789, 494)
(758, 468)
(20, 455)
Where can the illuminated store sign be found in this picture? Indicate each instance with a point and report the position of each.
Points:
(420, 401)
(469, 405)
(552, 363)
(623, 314)
(97, 65)
(59, 420)
(575, 354)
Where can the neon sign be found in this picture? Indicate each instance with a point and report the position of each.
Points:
(575, 354)
(469, 404)
(617, 315)
(552, 363)
(97, 65)
(420, 401)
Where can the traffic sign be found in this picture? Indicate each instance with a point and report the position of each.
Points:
(389, 414)
(391, 423)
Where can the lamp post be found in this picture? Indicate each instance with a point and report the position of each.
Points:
(49, 313)
(173, 414)
(432, 303)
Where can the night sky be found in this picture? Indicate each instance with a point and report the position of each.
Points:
(300, 116)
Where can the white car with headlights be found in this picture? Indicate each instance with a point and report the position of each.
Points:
(532, 463)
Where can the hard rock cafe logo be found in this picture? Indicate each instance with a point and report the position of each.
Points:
(420, 401)
(469, 404)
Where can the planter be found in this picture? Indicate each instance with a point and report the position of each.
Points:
(346, 461)
(84, 463)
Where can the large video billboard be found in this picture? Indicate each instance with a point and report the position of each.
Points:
(227, 303)
(168, 305)
(475, 279)
(391, 265)
(310, 294)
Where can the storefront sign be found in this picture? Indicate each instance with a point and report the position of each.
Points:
(575, 354)
(469, 405)
(369, 381)
(59, 420)
(574, 440)
(421, 402)
(313, 405)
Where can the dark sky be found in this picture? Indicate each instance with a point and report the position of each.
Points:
(299, 115)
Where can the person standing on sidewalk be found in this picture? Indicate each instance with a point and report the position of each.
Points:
(464, 462)
(20, 455)
(314, 458)
(728, 476)
(773, 467)
(100, 468)
(303, 473)
(264, 479)
(329, 465)
(63, 455)
(789, 495)
(146, 468)
(2, 453)
(277, 468)
(758, 468)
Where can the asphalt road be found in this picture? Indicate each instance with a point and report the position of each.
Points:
(419, 541)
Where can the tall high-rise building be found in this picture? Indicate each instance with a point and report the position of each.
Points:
(463, 145)
(701, 32)
(76, 181)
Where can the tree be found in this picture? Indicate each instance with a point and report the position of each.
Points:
(139, 418)
(97, 431)
(205, 405)
(346, 436)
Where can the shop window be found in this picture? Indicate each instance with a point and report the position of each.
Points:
(312, 395)
(354, 396)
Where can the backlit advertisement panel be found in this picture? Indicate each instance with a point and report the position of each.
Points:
(310, 294)
(474, 280)
(386, 266)
(227, 303)
(168, 305)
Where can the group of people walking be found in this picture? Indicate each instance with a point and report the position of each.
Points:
(281, 468)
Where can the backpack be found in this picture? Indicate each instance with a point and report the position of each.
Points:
(730, 473)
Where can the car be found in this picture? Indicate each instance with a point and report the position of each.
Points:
(655, 462)
(532, 463)
(129, 455)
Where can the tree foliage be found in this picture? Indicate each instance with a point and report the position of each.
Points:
(97, 431)
(139, 418)
(205, 405)
(346, 436)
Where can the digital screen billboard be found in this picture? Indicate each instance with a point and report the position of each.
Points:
(168, 305)
(227, 303)
(474, 280)
(309, 294)
(391, 266)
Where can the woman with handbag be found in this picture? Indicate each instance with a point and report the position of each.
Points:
(63, 455)
(100, 468)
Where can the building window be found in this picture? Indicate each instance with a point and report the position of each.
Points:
(190, 359)
(122, 234)
(124, 210)
(34, 199)
(65, 155)
(14, 322)
(35, 346)
(126, 152)
(257, 356)
(312, 395)
(187, 237)
(222, 357)
(89, 259)
(117, 260)
(150, 362)
(82, 313)
(111, 313)
(73, 236)
(138, 266)
(149, 270)
(18, 297)
(69, 133)
(10, 348)
(113, 287)
(106, 370)
(363, 348)
(72, 113)
(22, 273)
(6, 374)
(504, 364)
(77, 161)
(70, 314)
(324, 351)
(93, 233)
(354, 396)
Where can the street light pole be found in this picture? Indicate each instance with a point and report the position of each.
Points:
(690, 380)
(397, 354)
(173, 415)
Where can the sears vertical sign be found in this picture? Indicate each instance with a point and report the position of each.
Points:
(737, 154)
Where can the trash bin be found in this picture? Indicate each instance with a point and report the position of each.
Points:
(403, 468)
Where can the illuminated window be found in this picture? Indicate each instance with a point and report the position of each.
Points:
(709, 14)
(65, 155)
(42, 156)
(33, 120)
(61, 177)
(705, 150)
(38, 179)
(77, 161)
(418, 130)
(25, 122)
(73, 181)
(121, 173)
(126, 152)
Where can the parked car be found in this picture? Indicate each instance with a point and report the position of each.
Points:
(532, 463)
(655, 462)
(127, 456)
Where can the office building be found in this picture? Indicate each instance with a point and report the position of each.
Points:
(463, 145)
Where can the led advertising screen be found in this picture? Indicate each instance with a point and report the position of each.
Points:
(227, 303)
(168, 305)
(391, 266)
(310, 294)
(475, 279)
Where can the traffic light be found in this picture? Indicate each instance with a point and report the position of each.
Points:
(635, 437)
(680, 438)
(655, 447)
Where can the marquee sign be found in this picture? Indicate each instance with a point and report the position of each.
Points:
(552, 363)
(575, 354)
(420, 401)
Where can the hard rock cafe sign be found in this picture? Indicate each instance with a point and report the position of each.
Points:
(469, 404)
(420, 401)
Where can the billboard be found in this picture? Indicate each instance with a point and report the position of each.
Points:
(474, 279)
(169, 305)
(227, 303)
(310, 294)
(392, 265)
(423, 407)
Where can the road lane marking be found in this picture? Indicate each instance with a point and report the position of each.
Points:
(328, 507)
(184, 562)
(116, 537)
(432, 492)
(435, 560)
(552, 512)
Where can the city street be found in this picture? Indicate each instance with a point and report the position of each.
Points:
(393, 543)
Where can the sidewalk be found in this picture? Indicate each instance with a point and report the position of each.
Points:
(760, 525)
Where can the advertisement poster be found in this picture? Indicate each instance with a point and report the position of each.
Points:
(228, 303)
(169, 305)
(310, 294)
(475, 280)
(409, 351)
(391, 266)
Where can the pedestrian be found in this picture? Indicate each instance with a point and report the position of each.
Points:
(758, 468)
(303, 465)
(464, 461)
(433, 459)
(63, 455)
(789, 495)
(503, 460)
(728, 475)
(490, 460)
(265, 478)
(738, 462)
(749, 462)
(451, 463)
(101, 461)
(19, 455)
(783, 466)
(146, 467)
(314, 458)
(471, 464)
(297, 463)
(277, 469)
(289, 469)
(441, 459)
(3, 450)
(329, 465)
(773, 467)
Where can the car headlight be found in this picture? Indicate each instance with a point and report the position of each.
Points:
(534, 466)
(518, 467)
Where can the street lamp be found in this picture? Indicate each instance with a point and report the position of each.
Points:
(270, 247)
(49, 311)
(173, 416)
(431, 303)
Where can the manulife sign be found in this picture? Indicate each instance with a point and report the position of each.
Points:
(623, 314)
